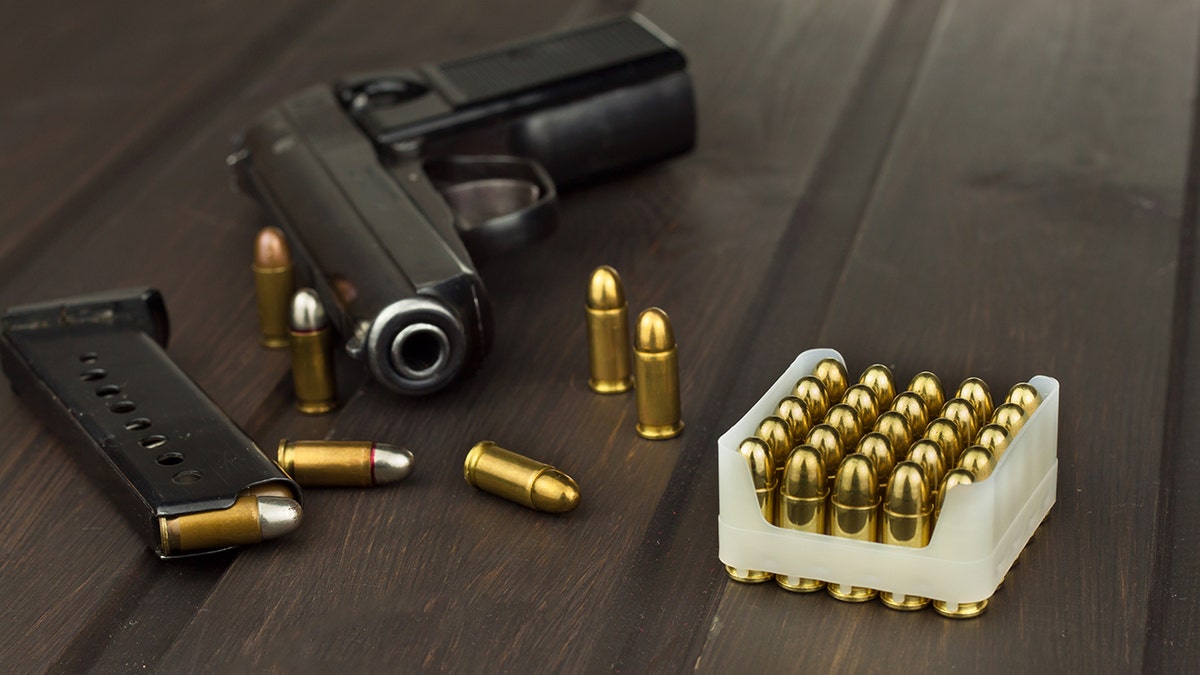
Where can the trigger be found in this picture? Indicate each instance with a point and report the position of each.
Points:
(478, 201)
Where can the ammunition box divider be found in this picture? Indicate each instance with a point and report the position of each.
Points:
(982, 529)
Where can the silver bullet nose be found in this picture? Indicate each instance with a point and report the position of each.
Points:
(307, 312)
(278, 516)
(390, 463)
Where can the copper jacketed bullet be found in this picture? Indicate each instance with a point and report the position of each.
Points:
(793, 411)
(975, 391)
(907, 521)
(855, 515)
(878, 448)
(995, 438)
(258, 514)
(656, 371)
(1010, 416)
(978, 460)
(1024, 395)
(803, 490)
(845, 421)
(865, 402)
(343, 463)
(312, 355)
(608, 333)
(762, 473)
(927, 385)
(828, 442)
(913, 408)
(833, 375)
(965, 610)
(520, 479)
(879, 378)
(928, 455)
(273, 284)
(775, 433)
(812, 391)
(948, 437)
(959, 411)
(897, 429)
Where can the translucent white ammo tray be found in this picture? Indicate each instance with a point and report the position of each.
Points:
(981, 531)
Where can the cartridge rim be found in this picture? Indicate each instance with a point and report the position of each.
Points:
(904, 603)
(963, 610)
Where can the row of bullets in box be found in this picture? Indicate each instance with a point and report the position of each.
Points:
(866, 463)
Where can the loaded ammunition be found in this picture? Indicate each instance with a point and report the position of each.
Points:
(976, 392)
(343, 463)
(865, 402)
(907, 521)
(793, 411)
(656, 372)
(913, 408)
(855, 515)
(879, 378)
(978, 460)
(273, 285)
(879, 449)
(995, 438)
(833, 375)
(1010, 416)
(803, 490)
(897, 429)
(762, 472)
(845, 421)
(828, 442)
(948, 437)
(1024, 395)
(608, 333)
(953, 478)
(312, 355)
(257, 515)
(927, 385)
(812, 391)
(928, 455)
(965, 610)
(520, 479)
(959, 411)
(775, 433)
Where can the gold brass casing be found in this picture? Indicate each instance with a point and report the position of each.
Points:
(878, 448)
(656, 372)
(978, 460)
(762, 473)
(803, 490)
(976, 392)
(845, 421)
(775, 433)
(609, 361)
(995, 438)
(1010, 416)
(865, 402)
(913, 408)
(965, 610)
(1024, 395)
(880, 379)
(948, 437)
(520, 479)
(795, 412)
(812, 391)
(959, 411)
(833, 375)
(274, 283)
(854, 515)
(897, 429)
(927, 385)
(828, 442)
(928, 455)
(907, 521)
(312, 371)
(327, 463)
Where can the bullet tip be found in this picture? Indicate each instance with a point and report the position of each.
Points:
(908, 493)
(856, 483)
(308, 314)
(278, 516)
(554, 492)
(605, 290)
(654, 333)
(390, 463)
(271, 249)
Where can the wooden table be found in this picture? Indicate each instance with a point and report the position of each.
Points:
(990, 189)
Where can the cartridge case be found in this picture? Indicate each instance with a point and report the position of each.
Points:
(255, 516)
(828, 442)
(312, 355)
(845, 421)
(880, 379)
(959, 411)
(803, 491)
(975, 391)
(948, 437)
(274, 283)
(854, 514)
(907, 521)
(762, 473)
(656, 371)
(995, 438)
(833, 375)
(978, 460)
(343, 463)
(795, 412)
(1024, 395)
(895, 426)
(609, 356)
(812, 391)
(878, 448)
(520, 479)
(913, 408)
(927, 385)
(1010, 416)
(865, 402)
(775, 433)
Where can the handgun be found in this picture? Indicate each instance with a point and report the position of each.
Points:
(387, 215)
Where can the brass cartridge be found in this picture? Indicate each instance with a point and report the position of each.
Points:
(520, 479)
(895, 426)
(855, 515)
(273, 285)
(865, 402)
(1010, 416)
(878, 448)
(845, 421)
(656, 372)
(812, 391)
(1024, 395)
(312, 355)
(927, 385)
(257, 515)
(946, 434)
(775, 433)
(794, 411)
(965, 610)
(953, 478)
(928, 455)
(975, 391)
(762, 472)
(978, 460)
(913, 408)
(803, 490)
(907, 521)
(995, 438)
(833, 375)
(611, 371)
(828, 442)
(959, 411)
(880, 379)
(343, 463)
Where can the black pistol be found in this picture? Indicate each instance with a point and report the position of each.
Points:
(386, 214)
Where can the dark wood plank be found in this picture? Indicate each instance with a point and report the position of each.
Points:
(464, 580)
(1026, 222)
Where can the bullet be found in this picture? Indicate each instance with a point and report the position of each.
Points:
(964, 610)
(273, 284)
(975, 391)
(520, 479)
(953, 478)
(343, 463)
(608, 333)
(907, 521)
(927, 454)
(656, 371)
(794, 411)
(895, 426)
(802, 493)
(878, 448)
(828, 442)
(946, 434)
(833, 375)
(959, 411)
(312, 355)
(257, 515)
(762, 473)
(855, 514)
(845, 421)
(879, 378)
(927, 385)
(775, 433)
(1024, 395)
(812, 391)
(913, 408)
(865, 402)
(1010, 416)
(995, 438)
(978, 460)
